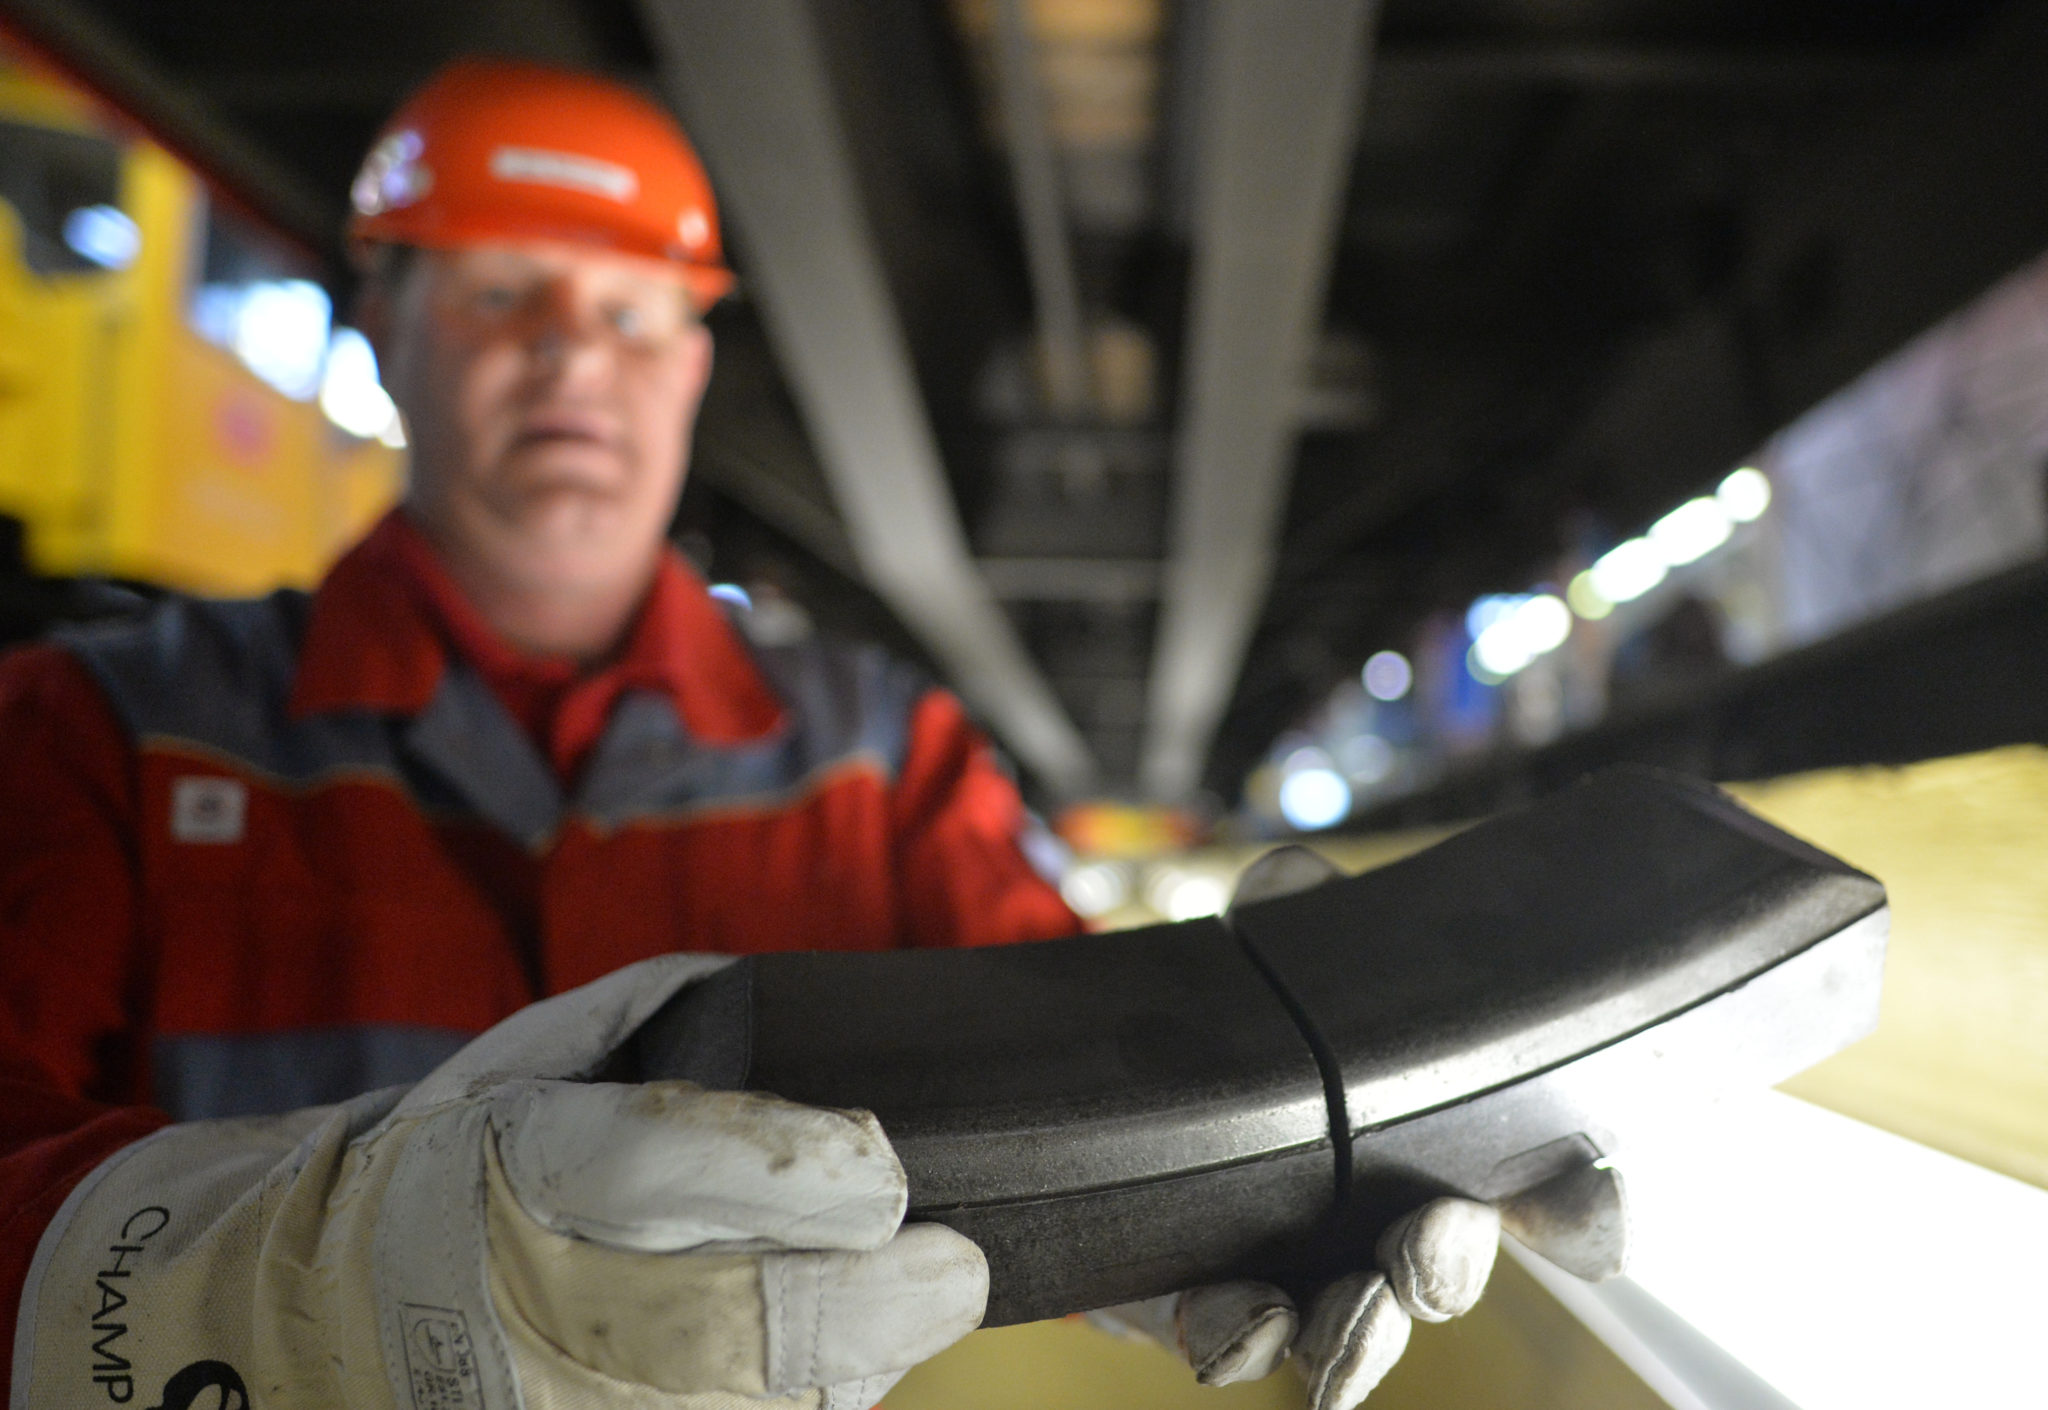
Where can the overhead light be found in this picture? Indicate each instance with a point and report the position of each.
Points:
(106, 235)
(350, 393)
(1314, 798)
(1178, 894)
(1586, 599)
(1096, 888)
(732, 593)
(1479, 670)
(1745, 495)
(1367, 759)
(1487, 610)
(277, 327)
(1387, 675)
(1628, 570)
(1690, 532)
(1537, 625)
(1543, 622)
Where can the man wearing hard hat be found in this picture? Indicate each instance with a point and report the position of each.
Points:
(269, 870)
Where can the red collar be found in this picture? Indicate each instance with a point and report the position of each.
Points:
(386, 617)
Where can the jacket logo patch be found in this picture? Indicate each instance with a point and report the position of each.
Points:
(210, 810)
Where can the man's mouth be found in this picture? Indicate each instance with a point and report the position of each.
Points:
(543, 431)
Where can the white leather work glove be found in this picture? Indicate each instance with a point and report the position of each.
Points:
(501, 1235)
(1433, 1263)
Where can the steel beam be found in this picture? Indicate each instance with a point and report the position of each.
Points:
(1034, 172)
(1115, 580)
(1285, 86)
(1631, 67)
(753, 87)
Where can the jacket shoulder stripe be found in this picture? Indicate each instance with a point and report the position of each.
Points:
(214, 671)
(199, 1076)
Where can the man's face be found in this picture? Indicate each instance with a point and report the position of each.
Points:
(549, 393)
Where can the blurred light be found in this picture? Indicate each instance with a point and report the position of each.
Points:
(1745, 495)
(1690, 532)
(1196, 896)
(731, 592)
(1627, 571)
(1479, 670)
(1586, 598)
(1387, 675)
(1186, 895)
(1314, 798)
(350, 393)
(278, 328)
(1500, 651)
(1485, 611)
(1367, 759)
(1101, 828)
(1538, 625)
(1096, 888)
(103, 234)
(1767, 1171)
(1544, 622)
(215, 307)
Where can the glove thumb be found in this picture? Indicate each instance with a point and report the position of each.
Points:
(566, 1037)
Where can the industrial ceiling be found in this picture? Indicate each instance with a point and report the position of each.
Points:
(1146, 365)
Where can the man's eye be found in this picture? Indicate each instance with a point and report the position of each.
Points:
(630, 321)
(495, 298)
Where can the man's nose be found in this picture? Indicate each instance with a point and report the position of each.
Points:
(566, 328)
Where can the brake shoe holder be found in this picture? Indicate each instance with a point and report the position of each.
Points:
(1117, 1116)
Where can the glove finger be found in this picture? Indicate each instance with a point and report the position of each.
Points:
(1236, 1331)
(665, 1166)
(1438, 1258)
(1355, 1334)
(847, 1317)
(1578, 1220)
(567, 1036)
(1282, 872)
(583, 1319)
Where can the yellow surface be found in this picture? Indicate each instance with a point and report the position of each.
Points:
(1518, 1350)
(1960, 1057)
(130, 447)
(1070, 1364)
(57, 343)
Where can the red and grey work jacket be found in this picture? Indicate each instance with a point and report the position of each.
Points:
(266, 854)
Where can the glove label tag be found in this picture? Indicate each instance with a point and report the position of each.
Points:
(209, 810)
(112, 1371)
(440, 1359)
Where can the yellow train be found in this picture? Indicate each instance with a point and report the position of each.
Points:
(172, 395)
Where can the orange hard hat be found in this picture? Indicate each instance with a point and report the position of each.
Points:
(494, 149)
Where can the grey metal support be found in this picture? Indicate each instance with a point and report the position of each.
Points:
(1286, 86)
(1034, 170)
(754, 90)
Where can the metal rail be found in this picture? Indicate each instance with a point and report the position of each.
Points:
(753, 86)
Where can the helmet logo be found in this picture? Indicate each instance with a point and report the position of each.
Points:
(568, 170)
(693, 229)
(393, 176)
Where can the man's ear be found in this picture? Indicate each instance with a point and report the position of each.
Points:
(702, 359)
(389, 271)
(373, 315)
(695, 373)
